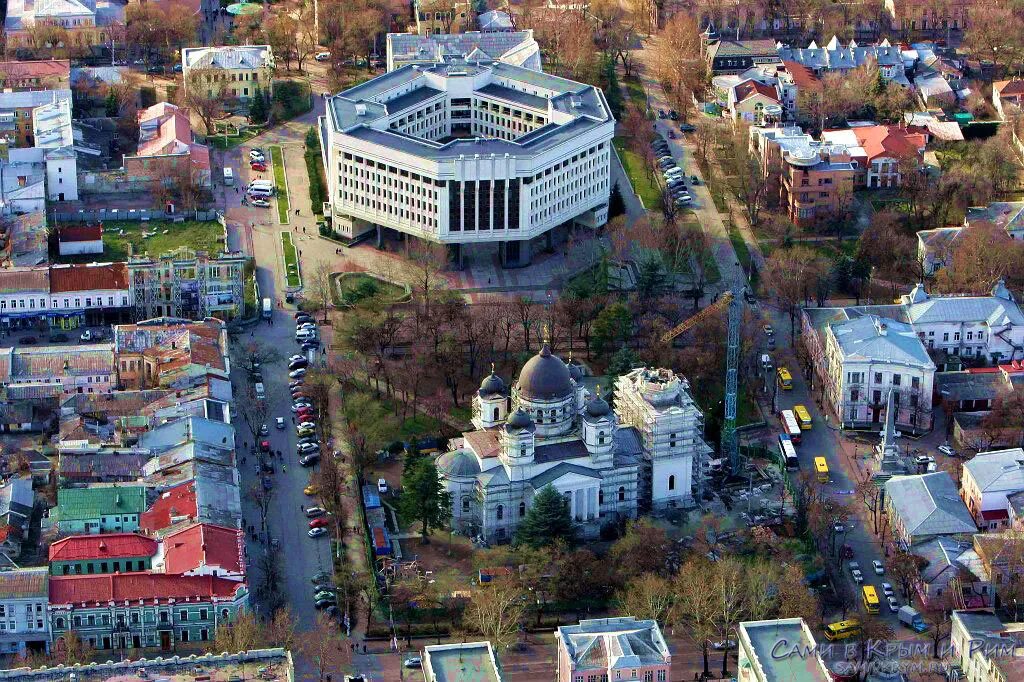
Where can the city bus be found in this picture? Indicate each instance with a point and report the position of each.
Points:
(870, 598)
(788, 452)
(802, 416)
(821, 468)
(790, 426)
(785, 379)
(842, 630)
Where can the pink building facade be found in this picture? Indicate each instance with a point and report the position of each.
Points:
(620, 649)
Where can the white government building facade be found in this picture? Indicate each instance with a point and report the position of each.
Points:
(468, 152)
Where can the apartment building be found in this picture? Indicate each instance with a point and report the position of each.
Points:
(156, 353)
(24, 626)
(51, 371)
(988, 482)
(186, 284)
(920, 16)
(102, 554)
(984, 648)
(658, 403)
(512, 47)
(922, 508)
(87, 22)
(467, 154)
(234, 72)
(813, 181)
(100, 508)
(443, 16)
(762, 660)
(736, 56)
(621, 648)
(834, 56)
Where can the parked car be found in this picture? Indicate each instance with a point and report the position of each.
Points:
(894, 605)
(318, 523)
(687, 128)
(887, 590)
(256, 154)
(724, 644)
(311, 344)
(307, 425)
(317, 532)
(258, 166)
(878, 566)
(674, 115)
(322, 577)
(382, 486)
(309, 460)
(947, 450)
(58, 338)
(264, 429)
(662, 113)
(413, 662)
(296, 373)
(322, 56)
(306, 448)
(305, 432)
(86, 335)
(313, 512)
(28, 340)
(299, 405)
(324, 603)
(311, 490)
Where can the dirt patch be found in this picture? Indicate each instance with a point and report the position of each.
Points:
(441, 554)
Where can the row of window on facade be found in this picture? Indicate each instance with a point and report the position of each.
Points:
(897, 379)
(649, 676)
(876, 398)
(30, 304)
(134, 618)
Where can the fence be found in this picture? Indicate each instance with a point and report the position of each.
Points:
(134, 214)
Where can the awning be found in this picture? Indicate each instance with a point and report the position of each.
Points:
(994, 515)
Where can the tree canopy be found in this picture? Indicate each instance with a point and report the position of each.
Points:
(547, 521)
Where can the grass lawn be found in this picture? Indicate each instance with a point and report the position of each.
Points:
(635, 90)
(249, 291)
(283, 208)
(231, 141)
(121, 237)
(634, 167)
(351, 288)
(738, 243)
(291, 260)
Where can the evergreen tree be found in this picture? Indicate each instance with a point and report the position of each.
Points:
(547, 521)
(258, 107)
(611, 329)
(622, 362)
(110, 105)
(424, 498)
(616, 204)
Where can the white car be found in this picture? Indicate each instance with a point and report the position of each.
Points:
(878, 566)
(858, 577)
(947, 451)
(317, 532)
(279, 422)
(260, 203)
(86, 335)
(382, 486)
(894, 605)
(887, 590)
(322, 56)
(257, 155)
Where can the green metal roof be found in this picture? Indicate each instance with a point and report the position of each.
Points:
(92, 503)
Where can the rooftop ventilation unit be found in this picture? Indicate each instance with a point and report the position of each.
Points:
(360, 110)
(575, 102)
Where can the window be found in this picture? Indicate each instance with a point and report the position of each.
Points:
(184, 635)
(661, 676)
(970, 336)
(896, 379)
(224, 613)
(672, 482)
(522, 509)
(915, 382)
(878, 377)
(60, 623)
(183, 615)
(622, 493)
(945, 336)
(203, 614)
(648, 676)
(465, 504)
(854, 395)
(500, 512)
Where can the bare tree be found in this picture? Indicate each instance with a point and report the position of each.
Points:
(204, 96)
(496, 611)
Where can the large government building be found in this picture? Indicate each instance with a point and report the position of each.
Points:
(466, 153)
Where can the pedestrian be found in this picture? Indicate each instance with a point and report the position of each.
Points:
(364, 647)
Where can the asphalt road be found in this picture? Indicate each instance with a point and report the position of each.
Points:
(300, 556)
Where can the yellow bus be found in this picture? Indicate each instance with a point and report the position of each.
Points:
(842, 630)
(802, 416)
(821, 468)
(870, 598)
(784, 378)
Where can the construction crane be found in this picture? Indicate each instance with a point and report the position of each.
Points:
(729, 444)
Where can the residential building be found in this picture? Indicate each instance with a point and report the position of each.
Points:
(935, 248)
(167, 149)
(100, 508)
(987, 481)
(762, 660)
(517, 48)
(495, 21)
(51, 371)
(204, 549)
(812, 181)
(925, 507)
(23, 294)
(17, 502)
(88, 294)
(45, 74)
(235, 71)
(934, 90)
(88, 22)
(24, 627)
(443, 16)
(953, 575)
(621, 648)
(194, 490)
(659, 405)
(835, 57)
(1008, 215)
(27, 238)
(1008, 92)
(879, 152)
(16, 109)
(755, 102)
(544, 432)
(466, 662)
(136, 610)
(984, 648)
(786, 80)
(273, 665)
(1000, 553)
(469, 153)
(74, 240)
(736, 56)
(187, 284)
(102, 554)
(37, 156)
(920, 16)
(170, 353)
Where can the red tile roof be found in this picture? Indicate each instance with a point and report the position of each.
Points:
(176, 502)
(91, 277)
(108, 546)
(890, 141)
(203, 545)
(18, 71)
(994, 514)
(483, 443)
(749, 88)
(1009, 88)
(77, 589)
(174, 136)
(80, 233)
(803, 76)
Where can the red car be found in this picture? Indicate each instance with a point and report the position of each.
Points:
(259, 167)
(265, 445)
(318, 523)
(305, 414)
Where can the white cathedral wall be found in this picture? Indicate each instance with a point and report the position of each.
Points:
(681, 468)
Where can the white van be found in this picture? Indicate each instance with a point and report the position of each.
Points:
(260, 193)
(261, 184)
(229, 177)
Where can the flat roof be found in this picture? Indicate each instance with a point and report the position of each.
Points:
(472, 662)
(789, 666)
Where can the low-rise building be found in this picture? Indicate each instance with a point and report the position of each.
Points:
(74, 240)
(754, 102)
(16, 109)
(920, 16)
(622, 648)
(167, 148)
(761, 659)
(89, 294)
(736, 56)
(43, 74)
(950, 560)
(187, 284)
(102, 553)
(50, 371)
(87, 23)
(443, 16)
(988, 480)
(170, 353)
(17, 502)
(100, 509)
(984, 647)
(880, 151)
(834, 56)
(925, 507)
(24, 627)
(204, 549)
(1008, 92)
(233, 72)
(516, 47)
(272, 665)
(136, 610)
(466, 662)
